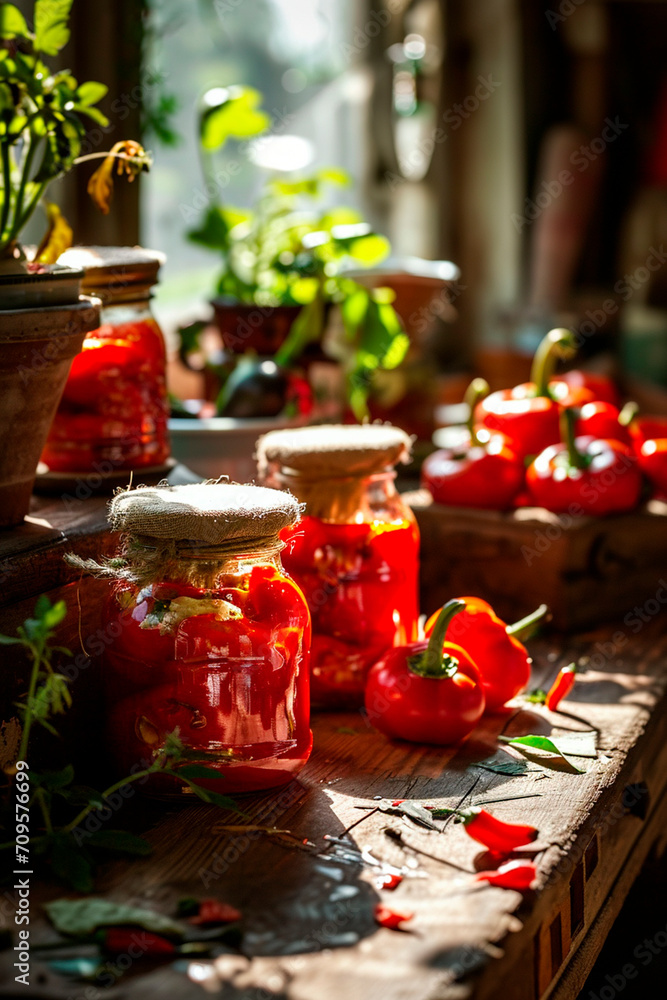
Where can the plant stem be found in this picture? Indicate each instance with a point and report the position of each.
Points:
(39, 795)
(25, 176)
(27, 721)
(558, 343)
(527, 626)
(6, 191)
(156, 766)
(432, 663)
(575, 458)
(477, 390)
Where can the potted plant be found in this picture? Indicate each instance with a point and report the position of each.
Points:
(284, 263)
(42, 319)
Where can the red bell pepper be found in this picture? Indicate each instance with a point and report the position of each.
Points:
(604, 420)
(602, 387)
(528, 414)
(386, 917)
(502, 660)
(518, 875)
(649, 437)
(499, 837)
(427, 692)
(561, 687)
(483, 473)
(585, 475)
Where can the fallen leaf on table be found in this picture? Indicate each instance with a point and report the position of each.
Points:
(83, 916)
(572, 744)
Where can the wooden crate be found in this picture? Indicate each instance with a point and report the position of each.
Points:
(588, 570)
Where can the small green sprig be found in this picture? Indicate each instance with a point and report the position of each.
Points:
(70, 850)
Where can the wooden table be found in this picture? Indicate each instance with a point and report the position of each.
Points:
(309, 932)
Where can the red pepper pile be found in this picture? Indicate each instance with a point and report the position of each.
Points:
(559, 443)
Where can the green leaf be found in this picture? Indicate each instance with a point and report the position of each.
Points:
(353, 311)
(55, 780)
(213, 798)
(51, 30)
(234, 115)
(93, 113)
(82, 795)
(573, 744)
(6, 640)
(70, 864)
(537, 696)
(119, 840)
(198, 771)
(90, 93)
(12, 22)
(83, 916)
(334, 175)
(51, 698)
(369, 250)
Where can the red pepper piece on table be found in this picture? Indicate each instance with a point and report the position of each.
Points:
(483, 473)
(561, 687)
(118, 940)
(528, 414)
(386, 917)
(518, 875)
(212, 911)
(585, 475)
(427, 692)
(499, 837)
(649, 437)
(502, 660)
(388, 881)
(601, 386)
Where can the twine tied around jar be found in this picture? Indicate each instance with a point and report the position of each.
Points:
(177, 531)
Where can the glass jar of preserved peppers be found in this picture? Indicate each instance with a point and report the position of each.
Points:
(355, 554)
(207, 635)
(113, 413)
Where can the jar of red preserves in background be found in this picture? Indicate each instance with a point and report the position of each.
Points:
(355, 554)
(113, 413)
(208, 635)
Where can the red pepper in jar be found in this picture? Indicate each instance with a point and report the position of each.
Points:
(427, 692)
(561, 687)
(502, 660)
(496, 835)
(585, 475)
(649, 438)
(518, 875)
(528, 414)
(484, 472)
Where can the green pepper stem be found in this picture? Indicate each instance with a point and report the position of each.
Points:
(575, 457)
(559, 343)
(628, 413)
(476, 391)
(432, 662)
(525, 627)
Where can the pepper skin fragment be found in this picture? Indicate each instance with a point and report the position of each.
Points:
(561, 687)
(386, 917)
(518, 875)
(427, 692)
(496, 835)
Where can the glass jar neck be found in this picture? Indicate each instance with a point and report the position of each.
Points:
(197, 564)
(343, 499)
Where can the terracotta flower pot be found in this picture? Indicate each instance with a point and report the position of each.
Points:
(36, 349)
(253, 328)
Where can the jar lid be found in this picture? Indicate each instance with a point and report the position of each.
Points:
(115, 273)
(212, 513)
(334, 450)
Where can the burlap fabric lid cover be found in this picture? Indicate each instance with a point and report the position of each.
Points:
(333, 450)
(212, 513)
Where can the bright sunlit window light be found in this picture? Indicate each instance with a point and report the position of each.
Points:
(281, 152)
